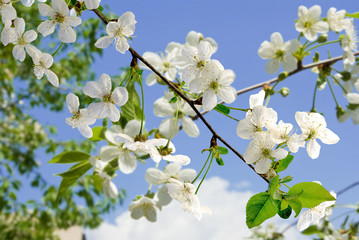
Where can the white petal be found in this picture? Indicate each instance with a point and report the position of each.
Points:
(52, 77)
(97, 110)
(256, 99)
(19, 53)
(227, 94)
(72, 102)
(181, 159)
(93, 89)
(328, 137)
(104, 42)
(127, 162)
(262, 166)
(108, 153)
(289, 63)
(151, 79)
(27, 3)
(304, 221)
(122, 45)
(166, 127)
(45, 10)
(19, 26)
(162, 108)
(112, 112)
(154, 176)
(187, 174)
(279, 153)
(245, 129)
(120, 96)
(272, 66)
(132, 128)
(190, 127)
(30, 36)
(313, 149)
(209, 100)
(252, 154)
(73, 21)
(92, 4)
(66, 34)
(47, 27)
(277, 40)
(61, 7)
(85, 131)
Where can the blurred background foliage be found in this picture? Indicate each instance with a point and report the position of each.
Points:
(22, 136)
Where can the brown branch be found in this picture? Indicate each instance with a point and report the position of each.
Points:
(274, 80)
(180, 94)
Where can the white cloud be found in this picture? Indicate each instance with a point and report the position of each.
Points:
(227, 221)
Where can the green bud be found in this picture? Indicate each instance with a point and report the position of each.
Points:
(322, 38)
(284, 91)
(282, 76)
(340, 111)
(346, 76)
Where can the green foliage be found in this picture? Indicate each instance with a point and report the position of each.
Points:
(70, 157)
(260, 207)
(284, 163)
(352, 15)
(222, 108)
(311, 194)
(98, 134)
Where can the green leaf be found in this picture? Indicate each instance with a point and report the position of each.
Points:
(260, 207)
(173, 100)
(273, 185)
(98, 134)
(222, 150)
(220, 161)
(284, 163)
(74, 2)
(223, 109)
(296, 206)
(100, 8)
(71, 176)
(312, 194)
(286, 179)
(284, 212)
(311, 230)
(70, 157)
(352, 15)
(97, 182)
(128, 110)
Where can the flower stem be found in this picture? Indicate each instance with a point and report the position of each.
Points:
(227, 115)
(209, 166)
(322, 44)
(210, 153)
(345, 91)
(57, 50)
(331, 89)
(239, 109)
(314, 97)
(143, 106)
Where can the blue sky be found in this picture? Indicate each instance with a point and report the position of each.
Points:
(239, 27)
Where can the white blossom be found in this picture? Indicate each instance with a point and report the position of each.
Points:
(173, 170)
(102, 90)
(309, 22)
(143, 207)
(256, 99)
(118, 33)
(42, 63)
(185, 194)
(91, 4)
(60, 14)
(336, 20)
(255, 120)
(214, 81)
(167, 64)
(196, 59)
(7, 11)
(313, 126)
(313, 215)
(260, 151)
(162, 108)
(278, 51)
(20, 39)
(348, 78)
(109, 187)
(164, 150)
(28, 3)
(98, 163)
(353, 108)
(349, 42)
(80, 119)
(195, 38)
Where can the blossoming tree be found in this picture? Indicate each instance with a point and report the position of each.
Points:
(196, 84)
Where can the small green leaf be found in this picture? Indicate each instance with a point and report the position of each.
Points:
(220, 161)
(311, 230)
(98, 134)
(223, 109)
(100, 8)
(173, 100)
(222, 150)
(260, 207)
(284, 163)
(70, 157)
(273, 185)
(129, 111)
(144, 157)
(285, 213)
(296, 206)
(283, 204)
(312, 194)
(97, 182)
(352, 15)
(74, 2)
(286, 179)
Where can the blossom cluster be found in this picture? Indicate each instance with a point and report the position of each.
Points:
(268, 138)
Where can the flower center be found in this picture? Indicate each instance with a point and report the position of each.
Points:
(179, 114)
(266, 152)
(164, 150)
(167, 65)
(308, 24)
(140, 138)
(59, 18)
(214, 85)
(21, 41)
(107, 98)
(279, 54)
(76, 115)
(201, 64)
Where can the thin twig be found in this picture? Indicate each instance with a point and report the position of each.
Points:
(271, 81)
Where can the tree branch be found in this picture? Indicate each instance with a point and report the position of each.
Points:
(179, 93)
(271, 81)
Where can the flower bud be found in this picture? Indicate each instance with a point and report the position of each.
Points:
(284, 91)
(340, 112)
(282, 76)
(346, 76)
(322, 38)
